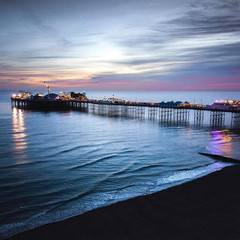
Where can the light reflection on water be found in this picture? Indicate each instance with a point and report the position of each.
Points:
(19, 136)
(224, 143)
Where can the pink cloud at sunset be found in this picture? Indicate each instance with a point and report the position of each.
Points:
(150, 46)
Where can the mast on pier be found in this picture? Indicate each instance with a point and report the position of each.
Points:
(48, 88)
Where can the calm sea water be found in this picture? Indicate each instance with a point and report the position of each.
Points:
(55, 165)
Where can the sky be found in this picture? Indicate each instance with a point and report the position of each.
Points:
(120, 44)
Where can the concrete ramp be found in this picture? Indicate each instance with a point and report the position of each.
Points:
(230, 159)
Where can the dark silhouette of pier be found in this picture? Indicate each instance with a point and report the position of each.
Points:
(177, 115)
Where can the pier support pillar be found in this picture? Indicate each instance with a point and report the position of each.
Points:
(152, 113)
(198, 117)
(235, 120)
(217, 118)
(139, 111)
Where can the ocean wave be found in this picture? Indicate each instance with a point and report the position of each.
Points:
(90, 200)
(105, 157)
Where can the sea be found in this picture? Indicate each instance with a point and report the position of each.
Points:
(59, 164)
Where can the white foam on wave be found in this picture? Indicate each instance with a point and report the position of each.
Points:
(97, 200)
(193, 173)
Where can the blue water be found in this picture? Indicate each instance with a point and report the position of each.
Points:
(55, 165)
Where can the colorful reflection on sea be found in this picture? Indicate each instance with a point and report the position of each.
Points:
(221, 143)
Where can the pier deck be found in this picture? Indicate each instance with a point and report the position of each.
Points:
(28, 102)
(165, 114)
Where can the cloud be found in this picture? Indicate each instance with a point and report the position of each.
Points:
(156, 45)
(202, 41)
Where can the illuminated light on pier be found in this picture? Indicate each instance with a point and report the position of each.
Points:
(165, 112)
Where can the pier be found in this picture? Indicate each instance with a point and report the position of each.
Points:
(172, 115)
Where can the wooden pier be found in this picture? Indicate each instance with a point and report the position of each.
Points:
(165, 115)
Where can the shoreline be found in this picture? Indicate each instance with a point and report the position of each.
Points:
(205, 208)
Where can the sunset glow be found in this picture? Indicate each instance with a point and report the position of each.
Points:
(120, 45)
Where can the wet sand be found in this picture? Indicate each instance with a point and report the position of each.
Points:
(206, 208)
